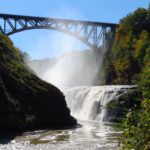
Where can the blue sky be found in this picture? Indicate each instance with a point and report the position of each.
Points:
(46, 43)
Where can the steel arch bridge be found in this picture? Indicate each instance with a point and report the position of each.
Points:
(93, 34)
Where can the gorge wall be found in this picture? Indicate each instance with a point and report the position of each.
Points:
(27, 102)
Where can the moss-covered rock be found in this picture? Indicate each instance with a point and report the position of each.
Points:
(26, 102)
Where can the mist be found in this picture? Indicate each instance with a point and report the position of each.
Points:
(73, 68)
(65, 65)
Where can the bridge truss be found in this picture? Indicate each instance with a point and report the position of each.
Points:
(93, 34)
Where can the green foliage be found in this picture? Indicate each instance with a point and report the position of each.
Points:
(130, 64)
(6, 41)
(131, 49)
(145, 81)
(136, 125)
(136, 128)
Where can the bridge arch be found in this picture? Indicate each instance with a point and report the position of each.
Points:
(93, 34)
(55, 29)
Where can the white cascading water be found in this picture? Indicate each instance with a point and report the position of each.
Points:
(78, 70)
(89, 102)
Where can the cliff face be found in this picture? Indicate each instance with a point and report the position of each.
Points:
(26, 102)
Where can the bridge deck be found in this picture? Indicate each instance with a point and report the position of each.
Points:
(5, 16)
(93, 34)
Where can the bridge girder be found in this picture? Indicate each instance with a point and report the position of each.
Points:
(93, 34)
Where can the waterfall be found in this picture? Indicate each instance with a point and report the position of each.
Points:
(73, 69)
(89, 102)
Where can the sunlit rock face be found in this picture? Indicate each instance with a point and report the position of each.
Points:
(27, 102)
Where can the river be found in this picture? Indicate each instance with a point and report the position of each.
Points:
(91, 136)
(95, 133)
